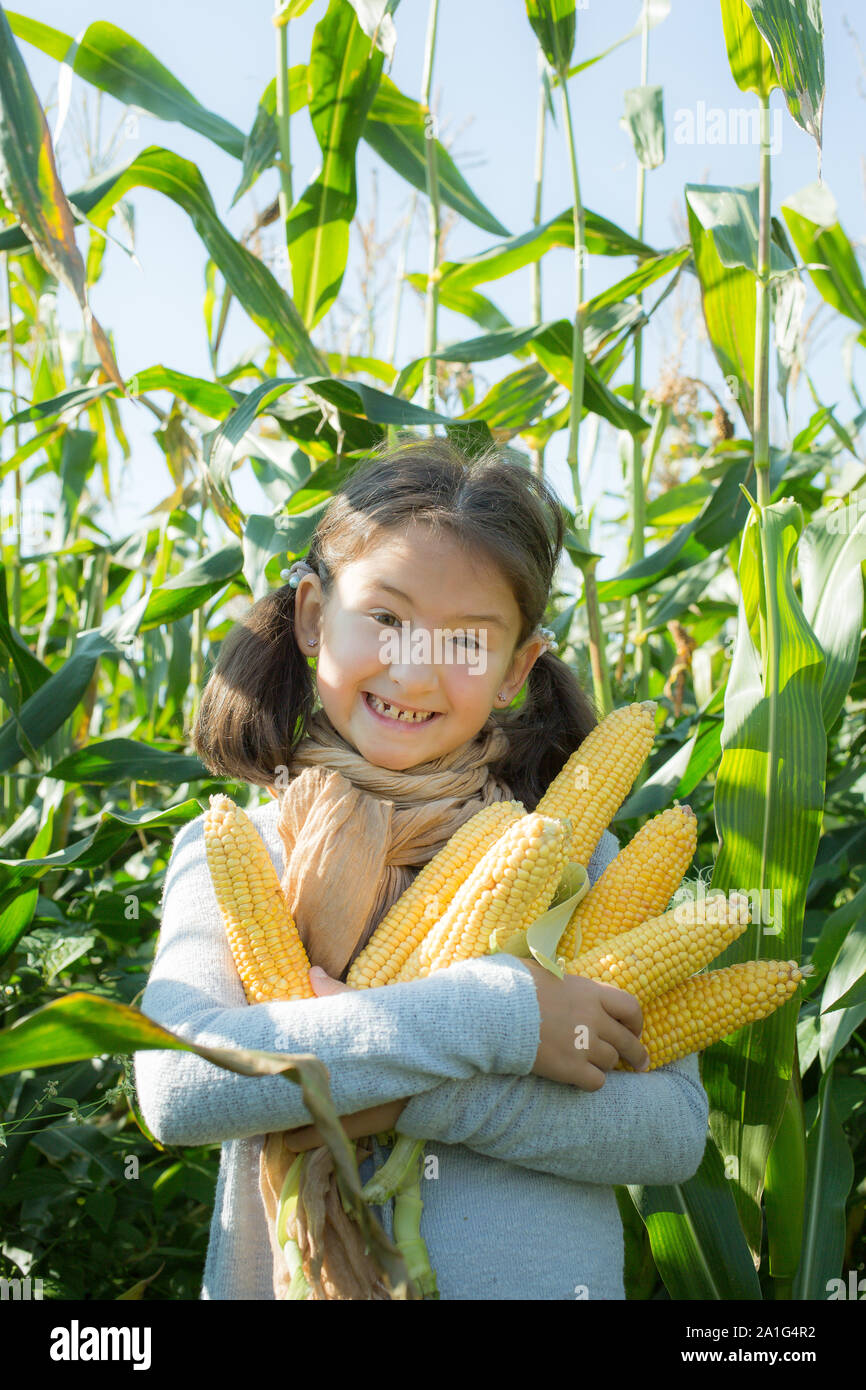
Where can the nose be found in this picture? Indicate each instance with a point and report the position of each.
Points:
(411, 664)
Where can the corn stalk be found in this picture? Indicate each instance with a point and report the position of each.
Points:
(432, 301)
(638, 496)
(537, 454)
(761, 429)
(281, 24)
(587, 561)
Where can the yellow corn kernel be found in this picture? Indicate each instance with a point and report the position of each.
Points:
(652, 958)
(711, 1006)
(638, 884)
(424, 902)
(596, 779)
(267, 949)
(512, 885)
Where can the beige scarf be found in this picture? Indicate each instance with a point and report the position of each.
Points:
(355, 835)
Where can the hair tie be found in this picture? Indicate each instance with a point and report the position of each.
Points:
(294, 575)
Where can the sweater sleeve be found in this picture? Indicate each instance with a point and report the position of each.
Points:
(647, 1127)
(378, 1045)
(638, 1128)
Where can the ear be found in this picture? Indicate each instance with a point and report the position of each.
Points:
(522, 665)
(272, 793)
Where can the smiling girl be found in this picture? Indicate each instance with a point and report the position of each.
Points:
(374, 758)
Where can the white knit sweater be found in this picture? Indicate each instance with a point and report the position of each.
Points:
(519, 1202)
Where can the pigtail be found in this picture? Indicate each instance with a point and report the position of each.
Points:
(259, 699)
(552, 721)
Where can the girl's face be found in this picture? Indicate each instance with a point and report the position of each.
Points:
(444, 645)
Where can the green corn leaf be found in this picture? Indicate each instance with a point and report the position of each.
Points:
(768, 805)
(118, 64)
(645, 123)
(697, 1241)
(554, 23)
(249, 280)
(751, 61)
(186, 592)
(603, 238)
(93, 851)
(794, 31)
(116, 760)
(343, 75)
(638, 280)
(731, 216)
(656, 11)
(516, 400)
(31, 187)
(728, 297)
(830, 558)
(84, 1025)
(551, 343)
(830, 1170)
(355, 399)
(831, 261)
(722, 517)
(785, 1187)
(45, 711)
(396, 129)
(262, 145)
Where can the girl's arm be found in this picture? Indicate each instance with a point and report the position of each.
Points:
(379, 1045)
(648, 1128)
(637, 1129)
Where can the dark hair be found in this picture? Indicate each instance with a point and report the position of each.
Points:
(261, 694)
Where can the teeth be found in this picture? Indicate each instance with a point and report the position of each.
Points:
(392, 713)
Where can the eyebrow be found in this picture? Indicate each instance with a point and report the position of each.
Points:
(467, 617)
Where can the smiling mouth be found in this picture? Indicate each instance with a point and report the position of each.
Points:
(386, 711)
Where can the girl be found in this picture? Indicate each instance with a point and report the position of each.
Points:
(529, 1134)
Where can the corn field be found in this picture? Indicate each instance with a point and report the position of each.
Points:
(738, 606)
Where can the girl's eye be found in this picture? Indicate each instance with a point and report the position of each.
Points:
(463, 637)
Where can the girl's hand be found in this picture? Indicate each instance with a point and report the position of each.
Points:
(363, 1122)
(324, 984)
(374, 1119)
(586, 1028)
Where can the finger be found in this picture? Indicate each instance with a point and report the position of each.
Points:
(307, 1137)
(622, 1006)
(323, 984)
(630, 1048)
(603, 1054)
(591, 1078)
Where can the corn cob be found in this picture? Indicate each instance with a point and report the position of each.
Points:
(595, 781)
(660, 953)
(711, 1006)
(511, 885)
(638, 884)
(264, 940)
(426, 899)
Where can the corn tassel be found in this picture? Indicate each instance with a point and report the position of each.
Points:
(638, 884)
(511, 886)
(267, 949)
(431, 892)
(652, 958)
(596, 779)
(711, 1006)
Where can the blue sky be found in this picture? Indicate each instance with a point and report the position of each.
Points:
(485, 88)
